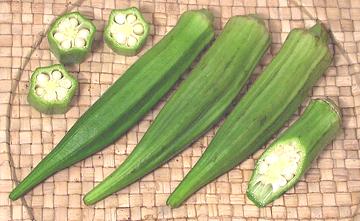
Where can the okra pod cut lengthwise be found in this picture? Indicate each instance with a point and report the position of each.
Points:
(268, 104)
(198, 103)
(283, 163)
(129, 98)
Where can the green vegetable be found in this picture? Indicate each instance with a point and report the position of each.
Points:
(129, 98)
(70, 38)
(51, 89)
(269, 103)
(126, 31)
(197, 105)
(282, 165)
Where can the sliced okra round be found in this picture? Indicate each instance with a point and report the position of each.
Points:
(71, 37)
(126, 31)
(51, 89)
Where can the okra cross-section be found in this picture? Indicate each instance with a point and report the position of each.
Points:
(126, 31)
(70, 37)
(51, 89)
(281, 166)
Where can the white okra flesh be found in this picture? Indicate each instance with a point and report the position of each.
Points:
(70, 33)
(278, 167)
(52, 86)
(127, 29)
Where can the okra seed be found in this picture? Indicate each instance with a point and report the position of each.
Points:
(73, 22)
(271, 159)
(80, 42)
(65, 83)
(114, 29)
(66, 44)
(288, 176)
(131, 18)
(293, 166)
(295, 157)
(281, 182)
(120, 38)
(83, 33)
(50, 96)
(279, 167)
(59, 36)
(131, 42)
(64, 24)
(56, 75)
(61, 93)
(42, 79)
(263, 167)
(120, 19)
(138, 29)
(40, 91)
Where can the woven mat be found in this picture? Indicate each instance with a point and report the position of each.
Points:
(329, 191)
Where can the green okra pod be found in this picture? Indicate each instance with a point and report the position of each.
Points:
(197, 105)
(269, 103)
(137, 91)
(286, 160)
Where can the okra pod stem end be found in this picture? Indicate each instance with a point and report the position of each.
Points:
(319, 30)
(207, 14)
(331, 105)
(257, 18)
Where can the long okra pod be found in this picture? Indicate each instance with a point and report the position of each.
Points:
(268, 104)
(198, 103)
(129, 98)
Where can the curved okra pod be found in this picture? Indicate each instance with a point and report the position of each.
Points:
(70, 37)
(51, 89)
(282, 164)
(126, 31)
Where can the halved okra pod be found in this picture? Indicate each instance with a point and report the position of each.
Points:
(51, 89)
(282, 165)
(126, 31)
(70, 37)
